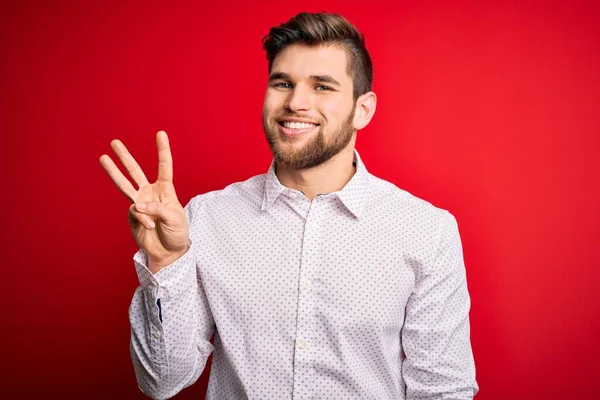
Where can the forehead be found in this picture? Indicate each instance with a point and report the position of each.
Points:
(301, 61)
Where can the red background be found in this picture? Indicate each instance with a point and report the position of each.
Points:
(487, 109)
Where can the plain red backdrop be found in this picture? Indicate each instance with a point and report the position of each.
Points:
(488, 109)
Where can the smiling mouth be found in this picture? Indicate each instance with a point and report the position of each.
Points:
(294, 129)
(291, 125)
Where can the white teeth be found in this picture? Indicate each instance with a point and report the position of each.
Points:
(298, 125)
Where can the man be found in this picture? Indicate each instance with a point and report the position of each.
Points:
(317, 279)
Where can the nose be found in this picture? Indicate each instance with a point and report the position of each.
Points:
(298, 99)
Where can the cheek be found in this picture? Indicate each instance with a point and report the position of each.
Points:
(335, 112)
(272, 102)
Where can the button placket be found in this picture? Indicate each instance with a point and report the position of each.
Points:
(307, 285)
(305, 332)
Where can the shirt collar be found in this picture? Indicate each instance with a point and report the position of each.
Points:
(352, 195)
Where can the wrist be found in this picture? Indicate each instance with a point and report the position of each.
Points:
(156, 264)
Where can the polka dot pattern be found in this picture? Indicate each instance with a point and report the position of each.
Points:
(359, 294)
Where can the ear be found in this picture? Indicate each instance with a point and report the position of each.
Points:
(365, 109)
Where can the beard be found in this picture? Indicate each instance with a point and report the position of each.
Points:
(316, 151)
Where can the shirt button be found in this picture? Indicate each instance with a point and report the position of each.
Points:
(157, 335)
(303, 344)
(307, 285)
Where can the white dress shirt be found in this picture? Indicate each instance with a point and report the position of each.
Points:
(359, 294)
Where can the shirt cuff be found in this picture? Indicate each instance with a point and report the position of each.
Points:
(171, 280)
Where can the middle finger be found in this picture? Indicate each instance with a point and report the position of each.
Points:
(132, 167)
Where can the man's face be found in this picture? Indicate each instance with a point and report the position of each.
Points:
(309, 108)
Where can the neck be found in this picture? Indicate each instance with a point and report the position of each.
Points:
(328, 177)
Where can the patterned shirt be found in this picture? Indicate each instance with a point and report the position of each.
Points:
(357, 294)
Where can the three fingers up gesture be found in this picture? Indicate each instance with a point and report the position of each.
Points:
(156, 217)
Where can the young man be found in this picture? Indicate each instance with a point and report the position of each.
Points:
(317, 279)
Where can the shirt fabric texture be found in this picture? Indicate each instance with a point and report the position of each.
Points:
(359, 294)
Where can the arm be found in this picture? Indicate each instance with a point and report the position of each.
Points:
(171, 325)
(439, 361)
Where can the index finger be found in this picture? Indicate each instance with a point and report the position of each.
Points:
(165, 160)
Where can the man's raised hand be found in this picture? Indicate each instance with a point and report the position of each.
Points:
(156, 217)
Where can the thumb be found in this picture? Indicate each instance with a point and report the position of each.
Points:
(160, 210)
(136, 218)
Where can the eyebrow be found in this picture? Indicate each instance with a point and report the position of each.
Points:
(319, 78)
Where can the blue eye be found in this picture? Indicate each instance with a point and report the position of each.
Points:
(322, 88)
(283, 85)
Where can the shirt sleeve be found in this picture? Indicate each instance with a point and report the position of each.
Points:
(171, 324)
(439, 360)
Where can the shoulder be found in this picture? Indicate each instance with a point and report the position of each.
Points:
(424, 228)
(405, 204)
(249, 191)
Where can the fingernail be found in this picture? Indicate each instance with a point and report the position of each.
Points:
(151, 224)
